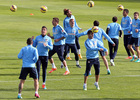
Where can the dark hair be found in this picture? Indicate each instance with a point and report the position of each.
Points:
(136, 13)
(89, 32)
(44, 27)
(56, 19)
(126, 10)
(29, 41)
(114, 19)
(66, 11)
(96, 23)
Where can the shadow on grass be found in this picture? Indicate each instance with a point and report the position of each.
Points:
(9, 74)
(100, 99)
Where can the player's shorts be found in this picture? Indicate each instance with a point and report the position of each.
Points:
(89, 64)
(102, 53)
(134, 41)
(25, 71)
(72, 47)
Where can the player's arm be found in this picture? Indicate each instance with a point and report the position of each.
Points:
(102, 48)
(49, 45)
(20, 55)
(83, 33)
(62, 32)
(89, 46)
(35, 56)
(48, 34)
(108, 28)
(130, 28)
(120, 31)
(34, 41)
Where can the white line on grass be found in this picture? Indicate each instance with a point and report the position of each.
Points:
(77, 78)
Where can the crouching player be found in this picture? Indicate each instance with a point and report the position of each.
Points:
(29, 55)
(92, 46)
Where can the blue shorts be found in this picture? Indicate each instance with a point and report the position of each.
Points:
(25, 71)
(134, 41)
(59, 49)
(89, 64)
(102, 53)
(72, 47)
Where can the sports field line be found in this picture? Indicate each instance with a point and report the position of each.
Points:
(78, 78)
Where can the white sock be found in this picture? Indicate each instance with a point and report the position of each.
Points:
(36, 92)
(79, 51)
(111, 60)
(96, 83)
(62, 63)
(108, 69)
(85, 84)
(68, 54)
(134, 56)
(19, 94)
(43, 83)
(53, 65)
(66, 68)
(77, 62)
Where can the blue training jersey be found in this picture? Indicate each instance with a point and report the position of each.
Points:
(92, 48)
(126, 24)
(59, 32)
(71, 31)
(99, 35)
(66, 22)
(114, 29)
(29, 55)
(135, 25)
(39, 42)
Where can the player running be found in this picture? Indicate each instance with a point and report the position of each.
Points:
(135, 29)
(29, 56)
(99, 35)
(59, 35)
(43, 43)
(69, 15)
(92, 46)
(126, 25)
(70, 41)
(113, 30)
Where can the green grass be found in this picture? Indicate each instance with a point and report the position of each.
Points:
(16, 27)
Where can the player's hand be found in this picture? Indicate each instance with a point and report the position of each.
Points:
(101, 49)
(106, 53)
(56, 40)
(128, 31)
(104, 38)
(44, 44)
(136, 30)
(32, 37)
(48, 34)
(81, 29)
(121, 36)
(113, 45)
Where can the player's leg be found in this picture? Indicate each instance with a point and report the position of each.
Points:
(78, 47)
(111, 54)
(102, 53)
(36, 88)
(126, 41)
(74, 50)
(20, 87)
(66, 50)
(44, 68)
(87, 71)
(38, 64)
(137, 49)
(116, 41)
(68, 55)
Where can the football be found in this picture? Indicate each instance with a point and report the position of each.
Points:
(43, 9)
(13, 8)
(95, 29)
(90, 3)
(120, 7)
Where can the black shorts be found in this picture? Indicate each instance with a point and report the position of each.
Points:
(25, 71)
(134, 41)
(72, 47)
(89, 64)
(102, 53)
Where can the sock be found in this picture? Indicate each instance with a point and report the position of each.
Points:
(77, 62)
(66, 68)
(53, 65)
(111, 60)
(19, 94)
(96, 83)
(61, 63)
(134, 56)
(43, 83)
(68, 54)
(79, 51)
(108, 69)
(85, 84)
(36, 92)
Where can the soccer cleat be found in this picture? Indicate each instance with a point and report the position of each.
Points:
(66, 73)
(108, 72)
(85, 87)
(68, 58)
(61, 66)
(112, 63)
(37, 95)
(78, 66)
(129, 57)
(132, 59)
(80, 56)
(89, 73)
(138, 60)
(44, 86)
(19, 97)
(53, 69)
(97, 86)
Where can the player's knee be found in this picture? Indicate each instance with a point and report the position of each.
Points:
(61, 58)
(97, 72)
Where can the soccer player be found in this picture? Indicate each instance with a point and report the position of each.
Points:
(59, 35)
(113, 30)
(69, 16)
(70, 41)
(43, 43)
(92, 47)
(126, 25)
(99, 35)
(135, 29)
(29, 56)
